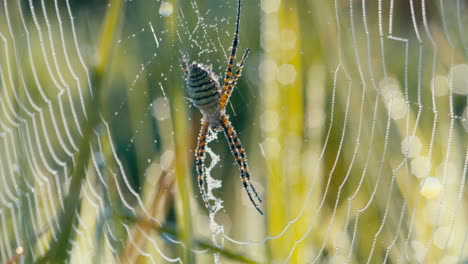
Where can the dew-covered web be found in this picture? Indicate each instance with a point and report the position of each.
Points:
(353, 115)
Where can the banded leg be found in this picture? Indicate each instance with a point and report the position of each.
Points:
(227, 93)
(241, 160)
(200, 160)
(235, 42)
(243, 157)
(184, 67)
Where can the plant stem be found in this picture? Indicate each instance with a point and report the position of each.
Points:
(58, 251)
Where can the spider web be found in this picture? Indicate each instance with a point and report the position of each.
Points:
(353, 115)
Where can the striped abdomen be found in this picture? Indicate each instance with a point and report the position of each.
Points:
(203, 88)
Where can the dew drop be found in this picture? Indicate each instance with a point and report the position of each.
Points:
(430, 188)
(19, 250)
(166, 9)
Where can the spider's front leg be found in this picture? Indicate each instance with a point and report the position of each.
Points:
(227, 90)
(200, 160)
(241, 160)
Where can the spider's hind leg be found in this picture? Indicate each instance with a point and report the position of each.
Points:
(185, 65)
(235, 43)
(227, 90)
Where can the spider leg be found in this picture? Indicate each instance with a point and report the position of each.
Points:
(184, 66)
(227, 93)
(241, 160)
(200, 160)
(235, 42)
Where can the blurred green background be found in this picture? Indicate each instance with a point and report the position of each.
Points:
(353, 115)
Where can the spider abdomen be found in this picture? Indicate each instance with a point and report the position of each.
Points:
(203, 88)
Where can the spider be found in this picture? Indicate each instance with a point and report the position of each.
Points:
(210, 98)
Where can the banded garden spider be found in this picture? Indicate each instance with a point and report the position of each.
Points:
(207, 95)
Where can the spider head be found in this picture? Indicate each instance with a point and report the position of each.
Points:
(217, 127)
